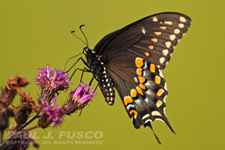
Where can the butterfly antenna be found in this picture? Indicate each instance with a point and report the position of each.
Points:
(83, 33)
(73, 33)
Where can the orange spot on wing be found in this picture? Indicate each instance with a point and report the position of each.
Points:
(133, 112)
(139, 72)
(158, 103)
(163, 27)
(151, 47)
(141, 79)
(152, 68)
(127, 100)
(155, 40)
(157, 79)
(142, 86)
(139, 90)
(139, 62)
(160, 92)
(133, 93)
(146, 53)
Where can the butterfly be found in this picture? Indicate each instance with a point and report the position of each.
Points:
(131, 59)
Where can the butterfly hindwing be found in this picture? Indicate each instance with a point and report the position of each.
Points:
(142, 89)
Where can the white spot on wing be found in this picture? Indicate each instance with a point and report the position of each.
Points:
(146, 100)
(144, 74)
(180, 25)
(148, 120)
(159, 119)
(156, 113)
(160, 74)
(147, 83)
(168, 44)
(148, 92)
(165, 52)
(168, 22)
(177, 31)
(182, 19)
(155, 19)
(130, 106)
(145, 65)
(138, 101)
(161, 60)
(172, 37)
(145, 116)
(143, 30)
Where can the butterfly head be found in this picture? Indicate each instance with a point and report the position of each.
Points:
(86, 50)
(90, 56)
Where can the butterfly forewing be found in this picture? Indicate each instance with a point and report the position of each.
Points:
(152, 38)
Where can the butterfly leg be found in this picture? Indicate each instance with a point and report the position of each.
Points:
(92, 81)
(83, 70)
(75, 64)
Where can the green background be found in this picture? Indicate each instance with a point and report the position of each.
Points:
(36, 33)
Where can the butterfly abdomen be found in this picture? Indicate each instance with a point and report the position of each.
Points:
(107, 87)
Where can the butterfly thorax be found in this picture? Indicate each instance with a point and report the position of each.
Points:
(93, 62)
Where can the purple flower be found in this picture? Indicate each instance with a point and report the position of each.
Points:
(78, 98)
(52, 78)
(53, 113)
(81, 94)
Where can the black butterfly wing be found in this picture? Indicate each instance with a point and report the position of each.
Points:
(152, 38)
(133, 57)
(142, 89)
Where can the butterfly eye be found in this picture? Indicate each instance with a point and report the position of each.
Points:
(86, 49)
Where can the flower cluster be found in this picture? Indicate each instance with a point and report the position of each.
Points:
(81, 94)
(52, 78)
(78, 99)
(51, 82)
